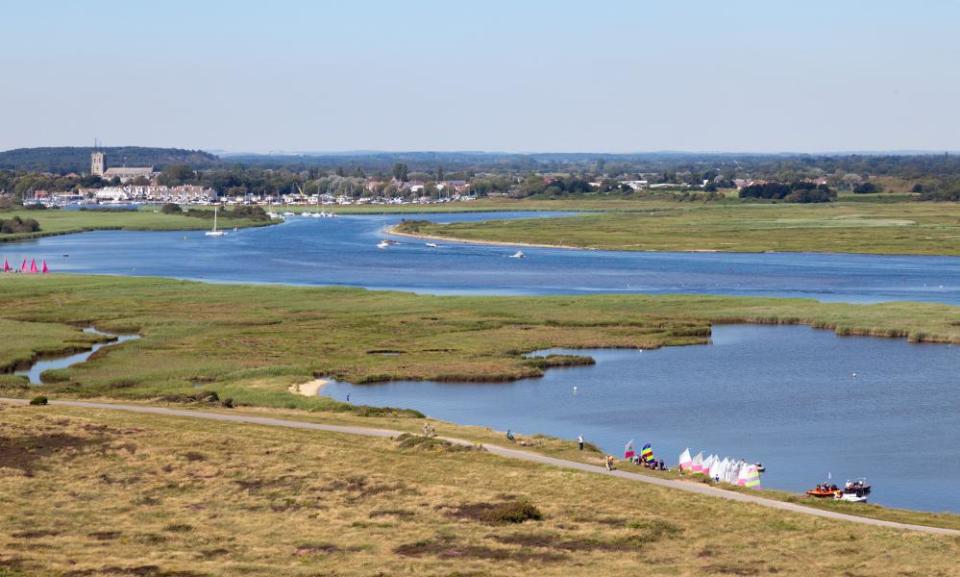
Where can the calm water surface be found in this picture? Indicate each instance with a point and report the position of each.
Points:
(35, 372)
(785, 396)
(342, 251)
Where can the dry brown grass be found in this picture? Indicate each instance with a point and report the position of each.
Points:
(158, 496)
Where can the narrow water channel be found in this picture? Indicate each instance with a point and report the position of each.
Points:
(35, 372)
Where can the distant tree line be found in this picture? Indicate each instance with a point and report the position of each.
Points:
(67, 159)
(800, 192)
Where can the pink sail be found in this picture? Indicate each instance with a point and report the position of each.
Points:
(45, 269)
(6, 266)
(33, 267)
(23, 266)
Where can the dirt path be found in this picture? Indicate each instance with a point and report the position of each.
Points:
(509, 453)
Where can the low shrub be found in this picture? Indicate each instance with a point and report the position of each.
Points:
(515, 512)
(503, 513)
(422, 443)
(39, 400)
(171, 208)
(18, 225)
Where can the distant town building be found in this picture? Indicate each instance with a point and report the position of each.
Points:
(98, 167)
(98, 163)
(637, 184)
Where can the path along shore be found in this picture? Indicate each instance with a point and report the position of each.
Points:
(508, 453)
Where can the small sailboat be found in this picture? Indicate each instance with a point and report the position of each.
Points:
(749, 477)
(214, 231)
(44, 269)
(686, 462)
(715, 468)
(6, 266)
(432, 245)
(383, 244)
(518, 254)
(697, 465)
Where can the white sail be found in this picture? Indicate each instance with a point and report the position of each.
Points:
(685, 460)
(697, 465)
(734, 472)
(715, 467)
(727, 470)
(707, 464)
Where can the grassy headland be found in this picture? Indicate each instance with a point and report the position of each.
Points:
(54, 222)
(89, 492)
(252, 342)
(856, 227)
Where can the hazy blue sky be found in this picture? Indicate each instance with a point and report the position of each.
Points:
(633, 75)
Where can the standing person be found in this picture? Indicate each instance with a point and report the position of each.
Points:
(609, 462)
(580, 440)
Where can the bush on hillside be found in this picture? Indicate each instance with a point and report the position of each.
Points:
(867, 188)
(171, 208)
(248, 212)
(251, 213)
(17, 225)
(801, 191)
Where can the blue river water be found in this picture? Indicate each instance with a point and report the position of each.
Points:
(804, 402)
(343, 251)
(785, 396)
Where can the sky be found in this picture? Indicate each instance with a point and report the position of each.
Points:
(512, 76)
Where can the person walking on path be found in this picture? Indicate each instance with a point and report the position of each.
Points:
(609, 462)
(580, 441)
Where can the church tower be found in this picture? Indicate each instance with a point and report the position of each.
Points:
(98, 163)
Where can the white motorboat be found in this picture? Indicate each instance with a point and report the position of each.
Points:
(518, 254)
(854, 491)
(433, 245)
(383, 244)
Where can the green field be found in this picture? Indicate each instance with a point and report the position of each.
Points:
(88, 492)
(251, 342)
(54, 222)
(856, 227)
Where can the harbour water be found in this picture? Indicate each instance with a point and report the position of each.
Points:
(343, 251)
(804, 402)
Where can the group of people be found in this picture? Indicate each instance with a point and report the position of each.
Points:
(652, 464)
